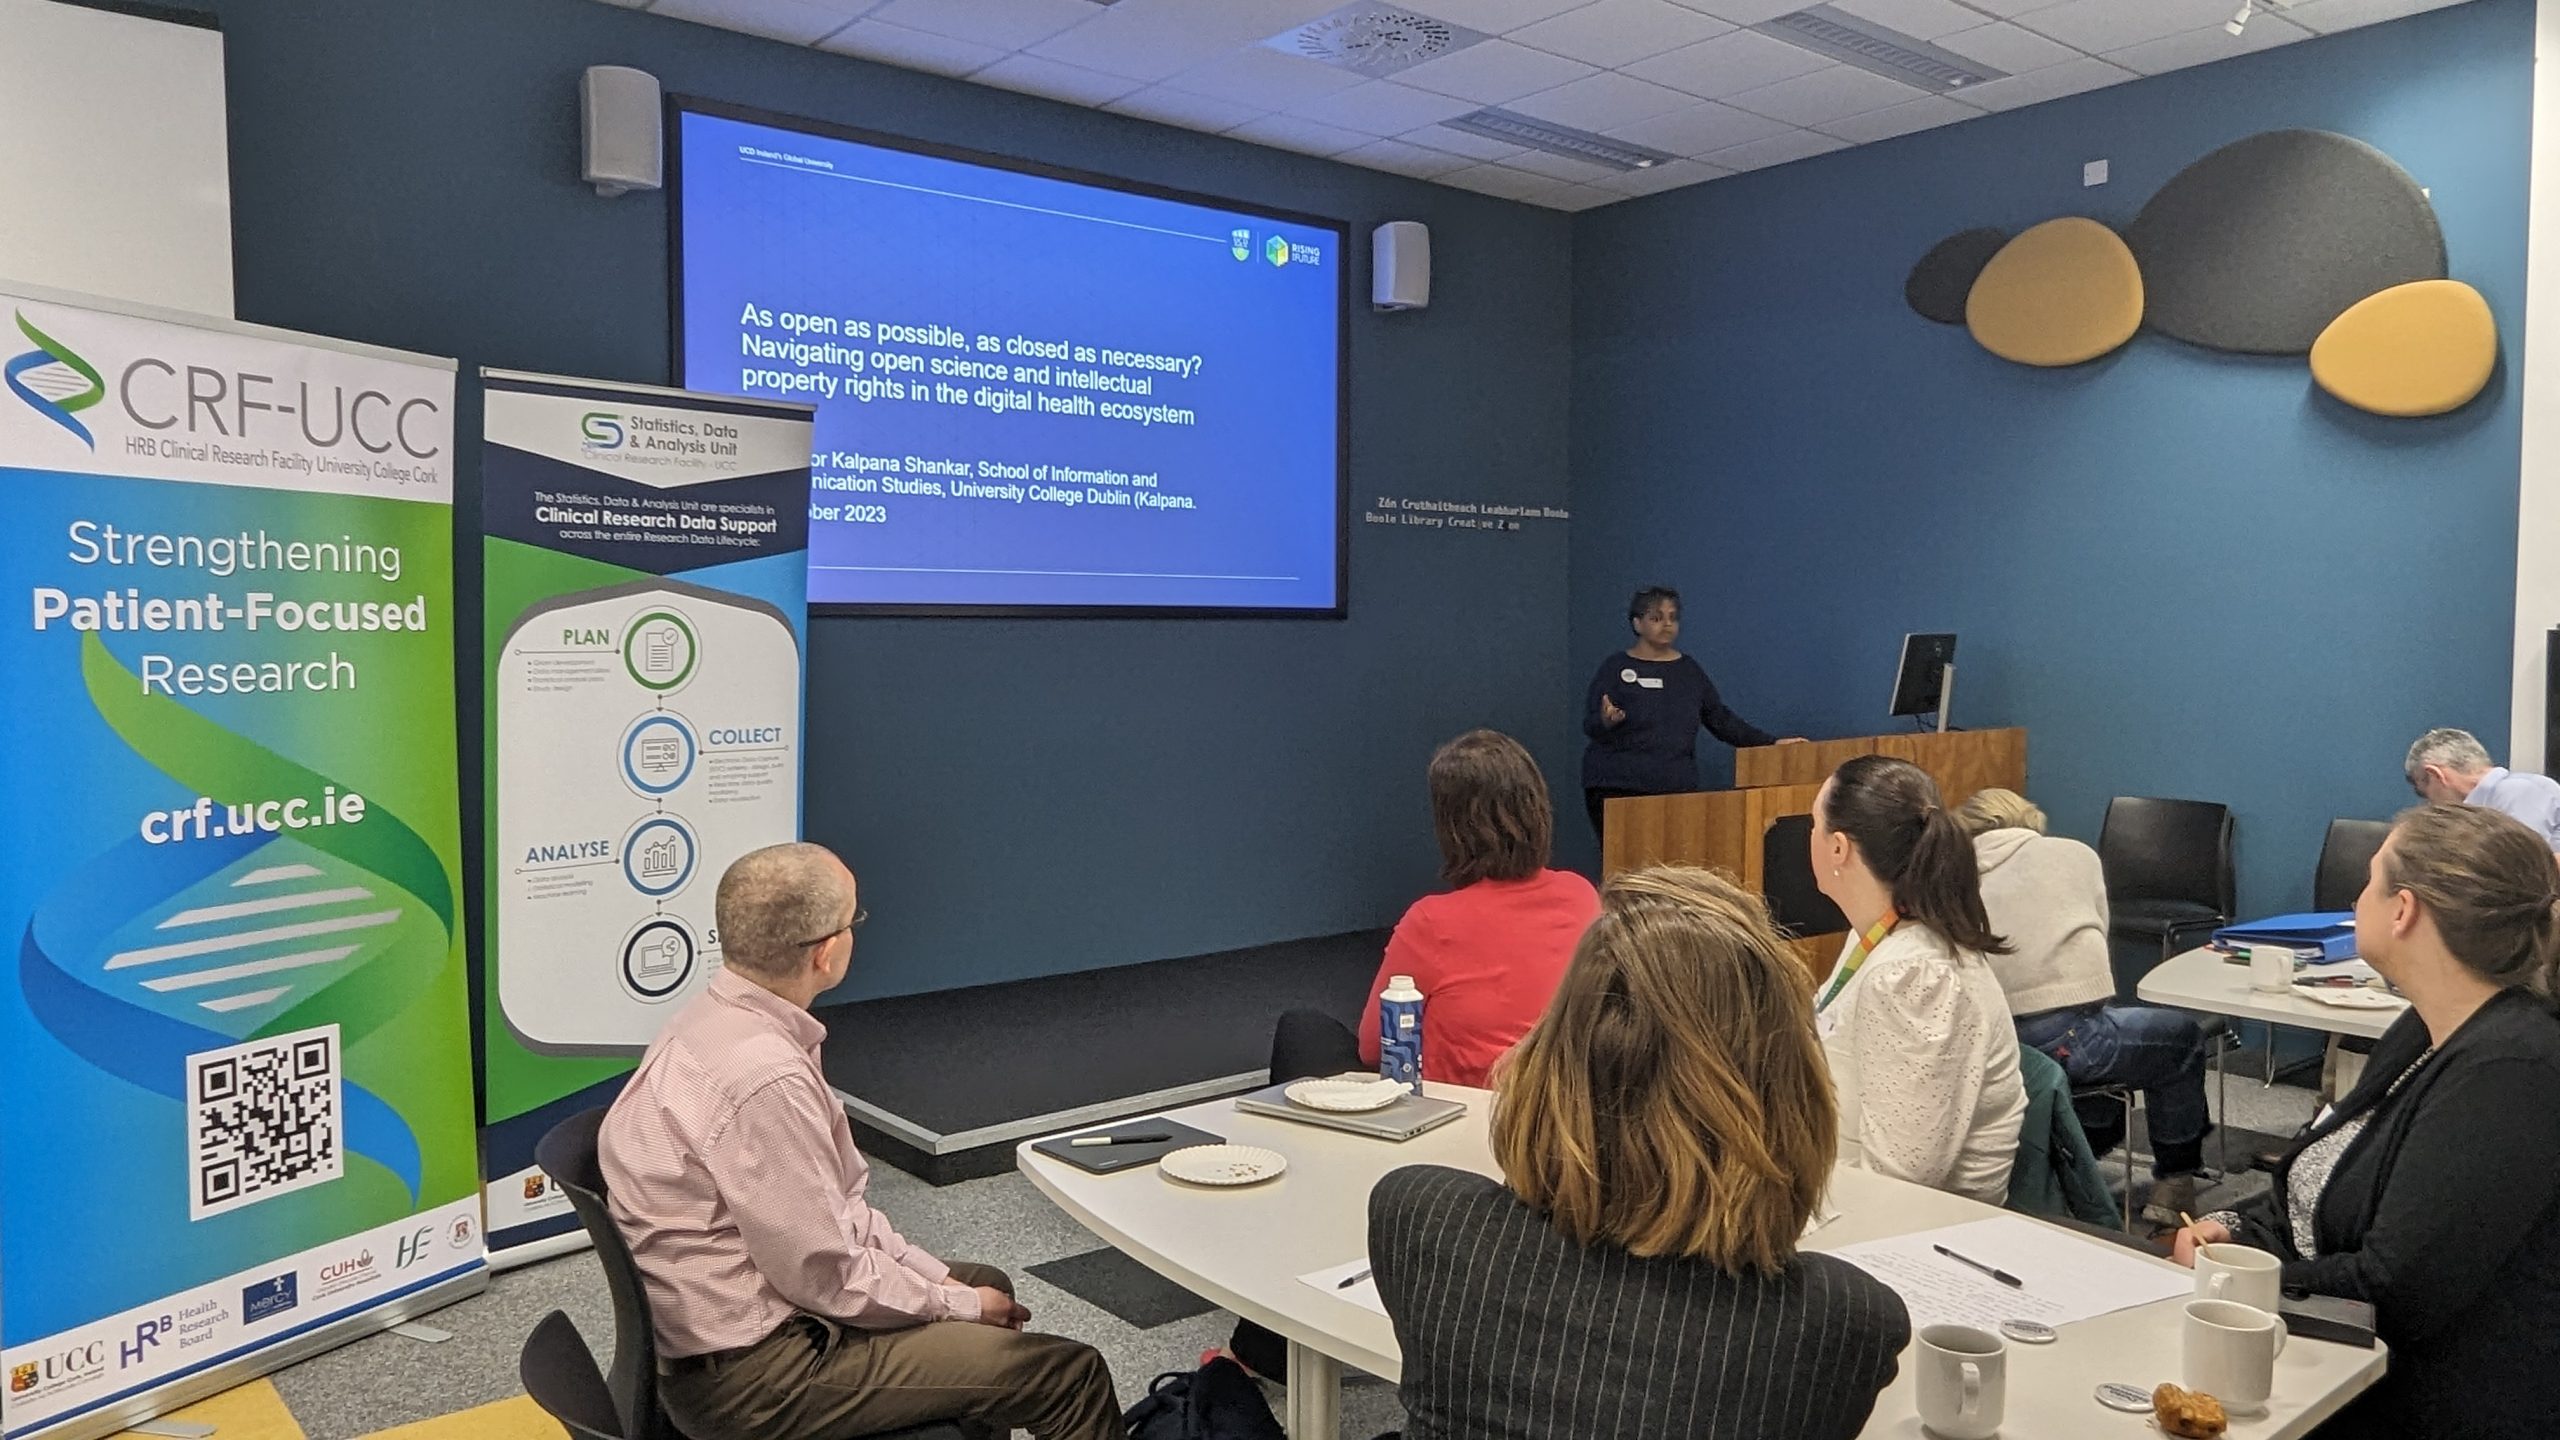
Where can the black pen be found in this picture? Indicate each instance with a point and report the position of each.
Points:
(1354, 1279)
(1996, 1273)
(1087, 1141)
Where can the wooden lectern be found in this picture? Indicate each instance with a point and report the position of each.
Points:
(1728, 829)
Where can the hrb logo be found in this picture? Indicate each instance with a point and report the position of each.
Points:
(601, 430)
(54, 381)
(145, 1335)
(413, 1247)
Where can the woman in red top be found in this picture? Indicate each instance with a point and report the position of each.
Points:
(1486, 954)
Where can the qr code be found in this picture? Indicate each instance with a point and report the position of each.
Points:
(263, 1119)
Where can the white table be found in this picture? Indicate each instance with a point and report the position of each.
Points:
(1244, 1250)
(2201, 979)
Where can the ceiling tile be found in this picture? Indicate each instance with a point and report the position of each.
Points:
(1602, 101)
(802, 22)
(1776, 150)
(1925, 113)
(1397, 157)
(910, 49)
(1559, 167)
(2330, 16)
(1493, 16)
(1728, 65)
(1499, 180)
(1746, 12)
(1670, 175)
(1292, 132)
(1263, 78)
(1459, 142)
(1580, 197)
(1143, 45)
(1700, 129)
(2050, 83)
(1006, 24)
(1614, 32)
(1920, 19)
(1168, 106)
(1381, 107)
(2004, 46)
(2202, 47)
(1034, 76)
(1825, 95)
(1494, 72)
(2101, 25)
(2011, 8)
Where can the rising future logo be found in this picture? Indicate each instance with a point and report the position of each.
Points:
(54, 381)
(1276, 250)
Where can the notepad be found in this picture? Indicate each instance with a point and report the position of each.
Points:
(1364, 1294)
(2066, 1278)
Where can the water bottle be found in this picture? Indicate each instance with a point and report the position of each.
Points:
(1400, 1033)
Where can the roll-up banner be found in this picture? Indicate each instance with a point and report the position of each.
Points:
(645, 600)
(234, 1039)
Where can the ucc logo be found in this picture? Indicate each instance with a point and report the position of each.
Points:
(71, 1364)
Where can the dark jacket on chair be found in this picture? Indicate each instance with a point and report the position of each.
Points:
(1511, 1330)
(2444, 1215)
(2056, 1174)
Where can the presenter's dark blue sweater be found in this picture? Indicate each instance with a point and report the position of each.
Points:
(1654, 751)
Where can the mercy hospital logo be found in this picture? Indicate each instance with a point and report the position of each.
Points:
(54, 381)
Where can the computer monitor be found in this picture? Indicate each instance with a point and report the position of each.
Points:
(1927, 674)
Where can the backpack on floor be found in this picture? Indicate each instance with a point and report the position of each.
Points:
(1218, 1401)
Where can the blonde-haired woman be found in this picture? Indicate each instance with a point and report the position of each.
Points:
(1666, 1132)
(2432, 1191)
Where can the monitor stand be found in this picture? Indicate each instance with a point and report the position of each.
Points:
(1946, 693)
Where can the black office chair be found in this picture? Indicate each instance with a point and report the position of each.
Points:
(2344, 860)
(567, 1393)
(2169, 874)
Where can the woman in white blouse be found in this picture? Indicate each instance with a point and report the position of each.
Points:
(1913, 1021)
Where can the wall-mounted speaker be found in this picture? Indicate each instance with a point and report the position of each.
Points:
(624, 134)
(1400, 265)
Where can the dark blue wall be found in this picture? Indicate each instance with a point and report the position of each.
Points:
(2185, 573)
(1019, 798)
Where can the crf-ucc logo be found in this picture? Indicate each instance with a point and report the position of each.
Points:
(461, 1232)
(601, 430)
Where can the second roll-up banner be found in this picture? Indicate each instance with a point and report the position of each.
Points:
(645, 593)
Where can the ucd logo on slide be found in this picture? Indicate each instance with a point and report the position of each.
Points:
(601, 429)
(55, 382)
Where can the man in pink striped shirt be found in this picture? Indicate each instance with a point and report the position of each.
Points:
(786, 1307)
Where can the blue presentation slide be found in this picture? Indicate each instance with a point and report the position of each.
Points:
(1030, 391)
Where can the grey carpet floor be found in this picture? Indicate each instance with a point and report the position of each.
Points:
(389, 1380)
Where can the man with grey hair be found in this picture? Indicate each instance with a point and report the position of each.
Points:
(787, 1308)
(2449, 767)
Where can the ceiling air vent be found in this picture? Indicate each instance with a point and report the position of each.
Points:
(1826, 30)
(1537, 134)
(1373, 38)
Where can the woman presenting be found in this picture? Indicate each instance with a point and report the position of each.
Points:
(1644, 710)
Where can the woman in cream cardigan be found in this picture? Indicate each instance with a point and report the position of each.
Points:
(2048, 896)
(1912, 1019)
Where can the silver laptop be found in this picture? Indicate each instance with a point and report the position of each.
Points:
(1403, 1120)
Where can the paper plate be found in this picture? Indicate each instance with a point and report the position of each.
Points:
(1346, 1094)
(2359, 998)
(1223, 1164)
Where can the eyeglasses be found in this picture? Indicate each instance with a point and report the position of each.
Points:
(847, 928)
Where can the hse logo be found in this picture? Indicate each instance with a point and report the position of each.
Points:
(1276, 250)
(54, 381)
(413, 1247)
(601, 430)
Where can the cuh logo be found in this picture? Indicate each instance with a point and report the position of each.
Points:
(54, 381)
(602, 430)
(1241, 243)
(1276, 250)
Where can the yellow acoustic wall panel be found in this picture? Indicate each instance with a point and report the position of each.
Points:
(2064, 292)
(2424, 348)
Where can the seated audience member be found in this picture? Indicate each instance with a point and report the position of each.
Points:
(2449, 767)
(1666, 1132)
(2432, 1191)
(786, 1307)
(1912, 1017)
(2046, 896)
(1487, 952)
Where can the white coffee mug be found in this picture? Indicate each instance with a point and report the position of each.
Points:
(2231, 1353)
(2237, 1272)
(1963, 1382)
(2270, 968)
